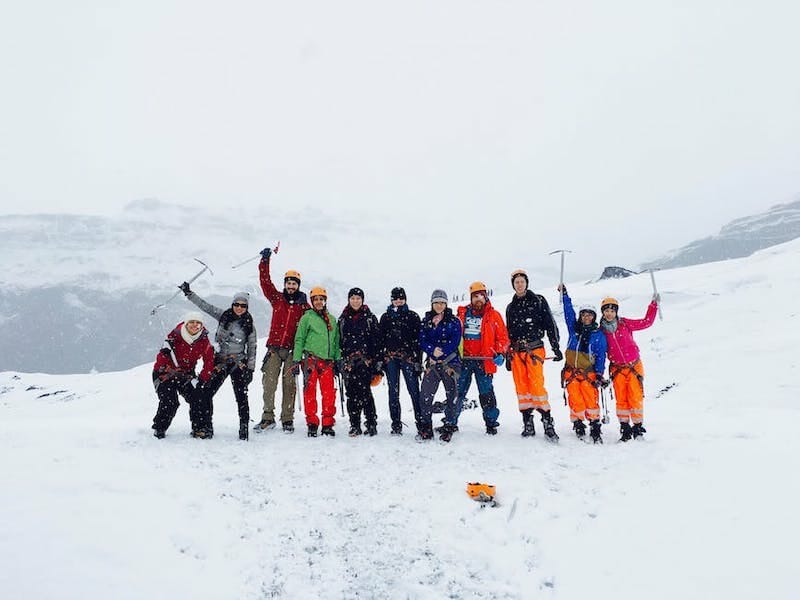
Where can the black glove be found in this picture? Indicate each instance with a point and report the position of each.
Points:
(557, 356)
(266, 253)
(508, 361)
(337, 367)
(563, 289)
(295, 364)
(185, 288)
(247, 376)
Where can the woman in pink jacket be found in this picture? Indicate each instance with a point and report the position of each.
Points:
(625, 369)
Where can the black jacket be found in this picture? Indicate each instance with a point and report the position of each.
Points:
(528, 318)
(359, 333)
(399, 328)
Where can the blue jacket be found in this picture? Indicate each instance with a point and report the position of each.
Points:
(597, 346)
(446, 335)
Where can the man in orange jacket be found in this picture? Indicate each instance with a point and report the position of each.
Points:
(485, 341)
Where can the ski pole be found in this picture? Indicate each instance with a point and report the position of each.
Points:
(563, 252)
(175, 295)
(655, 292)
(252, 258)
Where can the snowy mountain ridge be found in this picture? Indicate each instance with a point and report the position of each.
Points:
(741, 237)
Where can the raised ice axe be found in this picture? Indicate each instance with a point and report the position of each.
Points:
(563, 252)
(171, 298)
(655, 293)
(247, 260)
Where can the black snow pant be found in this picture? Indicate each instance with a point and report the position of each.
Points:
(167, 392)
(239, 384)
(359, 395)
(435, 373)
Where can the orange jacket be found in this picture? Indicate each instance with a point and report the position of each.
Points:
(494, 335)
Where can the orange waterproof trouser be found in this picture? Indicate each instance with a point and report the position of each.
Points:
(629, 391)
(582, 397)
(529, 380)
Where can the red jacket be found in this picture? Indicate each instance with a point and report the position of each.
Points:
(187, 355)
(286, 311)
(494, 335)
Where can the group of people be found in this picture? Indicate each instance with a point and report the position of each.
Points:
(442, 347)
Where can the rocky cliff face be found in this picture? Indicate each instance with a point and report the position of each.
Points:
(739, 238)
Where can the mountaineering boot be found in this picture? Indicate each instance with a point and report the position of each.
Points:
(442, 428)
(491, 429)
(243, 433)
(638, 431)
(527, 423)
(595, 432)
(160, 434)
(355, 431)
(397, 429)
(288, 427)
(446, 432)
(549, 426)
(625, 430)
(312, 431)
(580, 429)
(423, 435)
(328, 430)
(265, 424)
(371, 430)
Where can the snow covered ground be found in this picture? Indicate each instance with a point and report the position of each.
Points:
(94, 507)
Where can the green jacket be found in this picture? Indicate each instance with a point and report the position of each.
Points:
(314, 337)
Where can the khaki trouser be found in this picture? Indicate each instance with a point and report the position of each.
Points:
(277, 360)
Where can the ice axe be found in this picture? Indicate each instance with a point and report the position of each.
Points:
(252, 258)
(655, 293)
(563, 252)
(175, 295)
(606, 420)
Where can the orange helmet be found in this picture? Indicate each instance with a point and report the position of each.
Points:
(609, 301)
(477, 286)
(318, 291)
(292, 274)
(481, 491)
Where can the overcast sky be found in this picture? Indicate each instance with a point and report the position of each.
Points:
(618, 128)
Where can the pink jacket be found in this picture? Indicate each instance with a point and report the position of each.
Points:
(621, 347)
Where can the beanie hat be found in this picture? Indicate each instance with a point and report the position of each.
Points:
(398, 293)
(193, 315)
(439, 296)
(243, 297)
(356, 292)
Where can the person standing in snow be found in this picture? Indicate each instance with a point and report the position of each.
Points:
(528, 317)
(584, 366)
(316, 351)
(359, 335)
(485, 344)
(174, 373)
(399, 333)
(287, 308)
(236, 351)
(439, 338)
(625, 369)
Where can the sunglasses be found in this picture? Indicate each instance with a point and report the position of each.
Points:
(239, 305)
